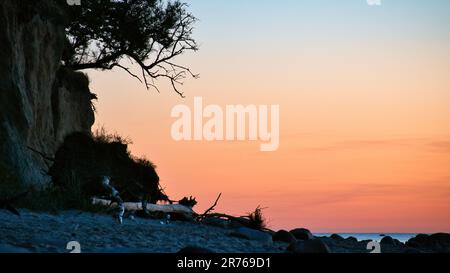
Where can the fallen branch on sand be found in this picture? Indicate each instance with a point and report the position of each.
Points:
(200, 217)
(134, 206)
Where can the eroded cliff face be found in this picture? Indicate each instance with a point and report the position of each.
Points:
(41, 101)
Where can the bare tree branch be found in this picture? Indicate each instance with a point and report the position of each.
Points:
(149, 33)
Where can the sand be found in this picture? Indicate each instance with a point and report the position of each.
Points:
(45, 232)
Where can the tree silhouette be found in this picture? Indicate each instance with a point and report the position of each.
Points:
(149, 33)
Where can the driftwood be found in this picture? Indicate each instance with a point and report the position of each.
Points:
(253, 220)
(134, 206)
(239, 219)
(178, 209)
(199, 217)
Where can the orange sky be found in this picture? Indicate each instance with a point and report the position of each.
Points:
(364, 121)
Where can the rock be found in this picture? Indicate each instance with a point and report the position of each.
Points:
(302, 234)
(40, 101)
(283, 236)
(178, 216)
(337, 237)
(420, 239)
(412, 250)
(252, 234)
(440, 238)
(194, 250)
(351, 239)
(388, 240)
(437, 241)
(309, 246)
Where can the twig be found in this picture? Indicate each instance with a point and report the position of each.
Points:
(212, 207)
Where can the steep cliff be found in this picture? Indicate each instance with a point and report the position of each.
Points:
(41, 101)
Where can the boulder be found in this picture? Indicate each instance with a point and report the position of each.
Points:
(252, 234)
(336, 237)
(437, 240)
(309, 246)
(420, 240)
(351, 239)
(302, 234)
(283, 236)
(440, 238)
(388, 240)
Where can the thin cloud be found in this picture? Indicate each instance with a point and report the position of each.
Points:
(366, 144)
(441, 146)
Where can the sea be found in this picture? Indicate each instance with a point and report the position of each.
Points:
(402, 237)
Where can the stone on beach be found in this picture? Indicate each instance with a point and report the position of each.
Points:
(309, 246)
(283, 236)
(252, 234)
(336, 237)
(302, 234)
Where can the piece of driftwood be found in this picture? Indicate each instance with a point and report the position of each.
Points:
(133, 206)
(240, 219)
(199, 217)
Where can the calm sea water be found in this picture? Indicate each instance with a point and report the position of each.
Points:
(402, 237)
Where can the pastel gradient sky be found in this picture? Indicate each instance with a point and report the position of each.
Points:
(364, 95)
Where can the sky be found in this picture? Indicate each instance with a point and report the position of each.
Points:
(364, 96)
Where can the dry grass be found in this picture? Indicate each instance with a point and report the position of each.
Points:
(257, 220)
(101, 135)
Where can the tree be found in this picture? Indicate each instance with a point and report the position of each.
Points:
(149, 33)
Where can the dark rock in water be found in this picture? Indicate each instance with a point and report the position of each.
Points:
(441, 238)
(351, 239)
(252, 234)
(194, 250)
(336, 237)
(388, 240)
(302, 234)
(437, 242)
(309, 246)
(283, 236)
(419, 240)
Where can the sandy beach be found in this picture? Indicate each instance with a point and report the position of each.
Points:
(43, 232)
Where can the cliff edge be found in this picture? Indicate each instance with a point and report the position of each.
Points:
(41, 101)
